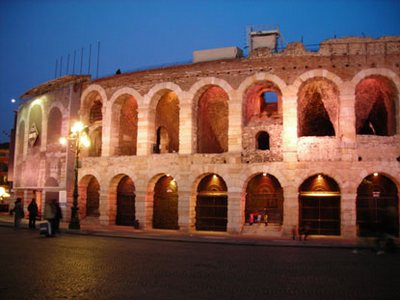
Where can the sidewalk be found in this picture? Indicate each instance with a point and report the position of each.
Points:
(7, 220)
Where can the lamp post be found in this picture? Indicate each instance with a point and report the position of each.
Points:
(79, 136)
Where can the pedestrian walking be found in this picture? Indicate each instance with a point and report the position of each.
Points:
(18, 212)
(50, 212)
(33, 212)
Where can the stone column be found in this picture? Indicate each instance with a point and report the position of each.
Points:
(184, 219)
(235, 124)
(235, 215)
(348, 216)
(105, 207)
(290, 209)
(347, 121)
(289, 135)
(186, 127)
(143, 138)
(140, 209)
(106, 131)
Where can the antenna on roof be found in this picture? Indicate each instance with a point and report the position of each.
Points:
(73, 64)
(81, 60)
(55, 71)
(98, 59)
(90, 56)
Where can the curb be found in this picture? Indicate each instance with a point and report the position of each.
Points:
(245, 241)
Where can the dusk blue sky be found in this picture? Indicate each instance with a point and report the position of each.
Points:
(146, 33)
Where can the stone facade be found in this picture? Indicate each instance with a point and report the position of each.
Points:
(335, 114)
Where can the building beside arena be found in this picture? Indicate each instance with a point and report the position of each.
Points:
(256, 145)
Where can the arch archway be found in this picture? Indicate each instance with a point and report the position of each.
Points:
(124, 125)
(264, 196)
(375, 106)
(93, 198)
(377, 206)
(54, 126)
(165, 209)
(212, 120)
(125, 202)
(319, 204)
(167, 120)
(212, 204)
(317, 108)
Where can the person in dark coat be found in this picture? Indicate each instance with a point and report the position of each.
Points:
(33, 212)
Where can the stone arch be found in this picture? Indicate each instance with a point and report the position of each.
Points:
(264, 199)
(377, 102)
(261, 77)
(211, 208)
(89, 196)
(163, 112)
(256, 108)
(211, 115)
(94, 95)
(51, 182)
(319, 206)
(377, 206)
(123, 130)
(122, 195)
(318, 107)
(165, 202)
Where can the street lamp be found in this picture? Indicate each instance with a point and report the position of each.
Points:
(79, 136)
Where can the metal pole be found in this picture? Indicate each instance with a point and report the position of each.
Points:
(74, 222)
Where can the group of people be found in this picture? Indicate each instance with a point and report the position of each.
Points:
(52, 213)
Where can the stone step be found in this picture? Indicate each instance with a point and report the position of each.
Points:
(261, 229)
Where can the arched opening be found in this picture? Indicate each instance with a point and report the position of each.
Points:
(377, 206)
(95, 142)
(317, 108)
(375, 106)
(125, 202)
(167, 123)
(262, 140)
(93, 198)
(319, 203)
(212, 121)
(95, 113)
(124, 126)
(264, 200)
(212, 204)
(54, 126)
(165, 213)
(162, 143)
(262, 100)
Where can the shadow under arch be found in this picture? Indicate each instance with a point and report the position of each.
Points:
(165, 206)
(264, 199)
(319, 206)
(377, 206)
(212, 204)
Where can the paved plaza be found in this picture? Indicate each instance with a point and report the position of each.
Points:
(100, 267)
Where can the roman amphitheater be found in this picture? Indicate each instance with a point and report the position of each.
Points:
(256, 145)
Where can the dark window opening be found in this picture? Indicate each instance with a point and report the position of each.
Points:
(263, 141)
(95, 112)
(376, 123)
(316, 121)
